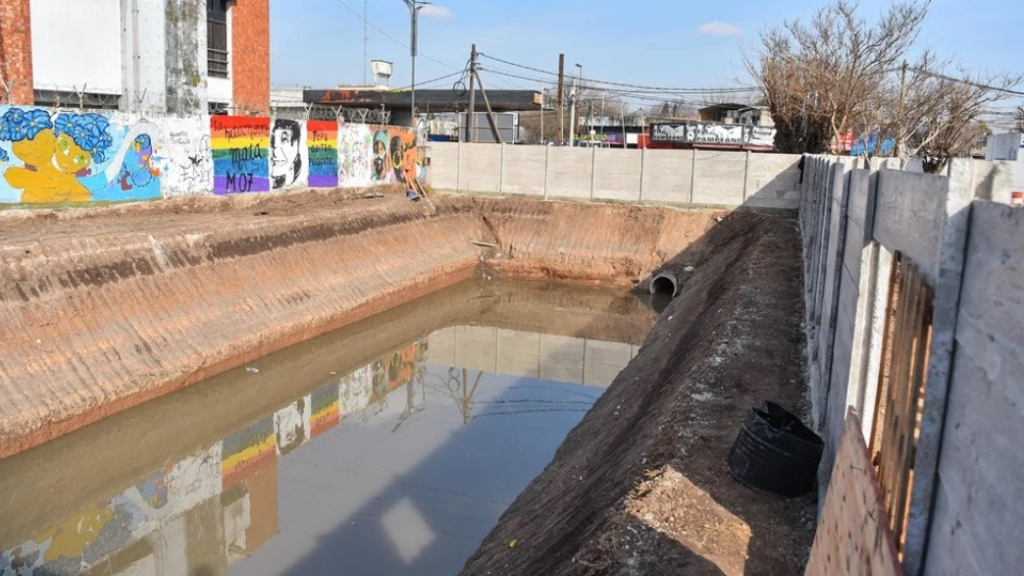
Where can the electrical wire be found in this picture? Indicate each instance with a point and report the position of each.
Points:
(659, 89)
(390, 37)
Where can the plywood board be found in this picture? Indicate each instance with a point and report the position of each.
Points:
(853, 535)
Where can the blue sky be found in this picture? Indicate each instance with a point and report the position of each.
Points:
(652, 42)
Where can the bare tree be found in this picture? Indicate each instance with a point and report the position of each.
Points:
(1020, 119)
(840, 75)
(821, 78)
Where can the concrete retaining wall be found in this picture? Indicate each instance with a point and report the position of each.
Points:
(853, 221)
(680, 177)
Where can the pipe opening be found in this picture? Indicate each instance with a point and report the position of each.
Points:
(664, 283)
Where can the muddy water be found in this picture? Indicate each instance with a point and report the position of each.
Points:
(388, 447)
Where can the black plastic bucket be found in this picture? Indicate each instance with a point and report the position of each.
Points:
(775, 452)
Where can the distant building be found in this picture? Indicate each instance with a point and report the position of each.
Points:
(180, 56)
(1009, 147)
(429, 103)
(728, 113)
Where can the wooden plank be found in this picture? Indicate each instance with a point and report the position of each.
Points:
(853, 535)
(884, 374)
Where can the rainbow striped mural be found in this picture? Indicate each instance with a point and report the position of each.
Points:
(248, 450)
(240, 147)
(322, 139)
(325, 410)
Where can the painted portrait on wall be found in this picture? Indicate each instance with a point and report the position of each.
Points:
(50, 157)
(290, 425)
(381, 158)
(287, 154)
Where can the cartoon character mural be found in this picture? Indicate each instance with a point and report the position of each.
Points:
(74, 157)
(288, 154)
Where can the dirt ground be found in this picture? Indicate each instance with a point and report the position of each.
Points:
(641, 485)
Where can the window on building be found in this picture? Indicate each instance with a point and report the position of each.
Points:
(217, 38)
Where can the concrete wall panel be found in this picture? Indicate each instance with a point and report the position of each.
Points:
(909, 215)
(569, 172)
(444, 164)
(480, 167)
(617, 174)
(667, 175)
(773, 181)
(523, 171)
(720, 178)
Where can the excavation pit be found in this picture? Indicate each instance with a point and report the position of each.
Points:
(120, 307)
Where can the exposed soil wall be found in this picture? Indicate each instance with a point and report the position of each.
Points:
(640, 486)
(105, 308)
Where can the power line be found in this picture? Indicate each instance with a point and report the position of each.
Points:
(965, 81)
(659, 89)
(685, 98)
(389, 36)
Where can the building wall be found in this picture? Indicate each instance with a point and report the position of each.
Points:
(185, 56)
(144, 40)
(16, 52)
(250, 54)
(77, 45)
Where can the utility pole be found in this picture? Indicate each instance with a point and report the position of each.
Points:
(543, 102)
(366, 36)
(414, 10)
(575, 102)
(899, 125)
(561, 104)
(470, 116)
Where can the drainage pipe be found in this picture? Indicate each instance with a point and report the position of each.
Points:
(665, 283)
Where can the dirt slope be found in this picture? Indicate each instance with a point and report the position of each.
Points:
(641, 485)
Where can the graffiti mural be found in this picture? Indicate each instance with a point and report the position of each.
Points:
(355, 390)
(322, 139)
(355, 143)
(288, 154)
(240, 149)
(247, 451)
(713, 133)
(187, 161)
(394, 155)
(325, 413)
(48, 156)
(90, 537)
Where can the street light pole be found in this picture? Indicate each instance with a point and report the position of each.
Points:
(414, 10)
(575, 102)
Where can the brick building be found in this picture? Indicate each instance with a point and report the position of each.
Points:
(178, 56)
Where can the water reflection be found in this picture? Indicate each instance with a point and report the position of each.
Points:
(400, 466)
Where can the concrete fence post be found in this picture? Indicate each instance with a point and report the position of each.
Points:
(501, 168)
(643, 157)
(593, 169)
(951, 260)
(547, 159)
(458, 167)
(693, 172)
(746, 174)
